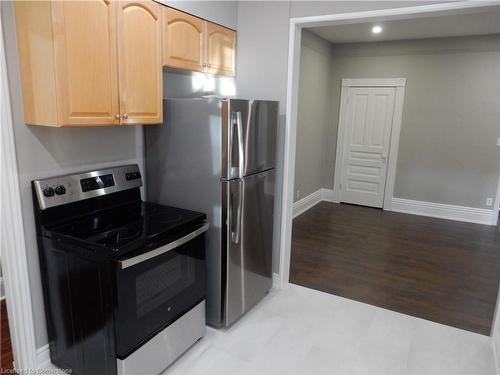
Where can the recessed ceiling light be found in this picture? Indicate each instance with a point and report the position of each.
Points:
(376, 29)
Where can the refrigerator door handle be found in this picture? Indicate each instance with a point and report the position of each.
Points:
(231, 145)
(239, 127)
(236, 224)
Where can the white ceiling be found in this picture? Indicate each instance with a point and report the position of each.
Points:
(418, 28)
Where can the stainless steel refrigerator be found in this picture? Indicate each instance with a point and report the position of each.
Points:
(218, 156)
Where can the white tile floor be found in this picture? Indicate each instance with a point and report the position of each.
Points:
(303, 331)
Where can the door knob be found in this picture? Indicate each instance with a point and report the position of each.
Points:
(117, 116)
(204, 64)
(125, 116)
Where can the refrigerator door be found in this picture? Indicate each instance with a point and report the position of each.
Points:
(248, 205)
(248, 136)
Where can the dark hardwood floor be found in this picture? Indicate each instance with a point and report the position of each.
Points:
(440, 270)
(6, 347)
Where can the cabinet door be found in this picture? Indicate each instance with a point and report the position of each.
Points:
(220, 49)
(85, 62)
(140, 61)
(182, 40)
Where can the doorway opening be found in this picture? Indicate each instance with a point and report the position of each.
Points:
(366, 166)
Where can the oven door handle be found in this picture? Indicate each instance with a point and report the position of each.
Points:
(163, 249)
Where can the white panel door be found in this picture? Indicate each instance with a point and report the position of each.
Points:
(367, 127)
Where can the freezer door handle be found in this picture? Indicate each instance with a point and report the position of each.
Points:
(236, 126)
(235, 218)
(241, 162)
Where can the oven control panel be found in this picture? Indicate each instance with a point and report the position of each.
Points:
(97, 182)
(56, 191)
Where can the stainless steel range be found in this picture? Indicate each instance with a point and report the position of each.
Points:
(123, 279)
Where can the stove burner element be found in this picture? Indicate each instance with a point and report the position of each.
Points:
(91, 225)
(165, 217)
(115, 238)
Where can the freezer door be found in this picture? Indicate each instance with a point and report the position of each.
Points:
(249, 204)
(249, 137)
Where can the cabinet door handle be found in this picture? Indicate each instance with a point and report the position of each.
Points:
(204, 64)
(208, 65)
(117, 116)
(125, 116)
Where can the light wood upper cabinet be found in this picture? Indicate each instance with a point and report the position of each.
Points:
(85, 55)
(192, 43)
(220, 49)
(140, 61)
(36, 62)
(183, 38)
(90, 63)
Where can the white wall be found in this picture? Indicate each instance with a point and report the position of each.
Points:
(447, 148)
(316, 126)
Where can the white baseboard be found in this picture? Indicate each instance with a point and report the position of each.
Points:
(328, 195)
(276, 281)
(2, 290)
(495, 348)
(444, 211)
(312, 200)
(43, 357)
(306, 203)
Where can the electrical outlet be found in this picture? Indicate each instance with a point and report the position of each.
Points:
(297, 194)
(489, 202)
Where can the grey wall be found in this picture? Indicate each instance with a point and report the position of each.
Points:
(262, 58)
(316, 128)
(451, 114)
(261, 71)
(316, 8)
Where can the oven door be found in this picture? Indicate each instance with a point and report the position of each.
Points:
(157, 287)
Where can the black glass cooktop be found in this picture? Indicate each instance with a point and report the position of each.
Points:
(129, 226)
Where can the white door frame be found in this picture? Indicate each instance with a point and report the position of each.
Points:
(14, 259)
(496, 209)
(295, 31)
(400, 85)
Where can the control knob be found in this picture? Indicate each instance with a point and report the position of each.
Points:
(48, 192)
(60, 190)
(132, 175)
